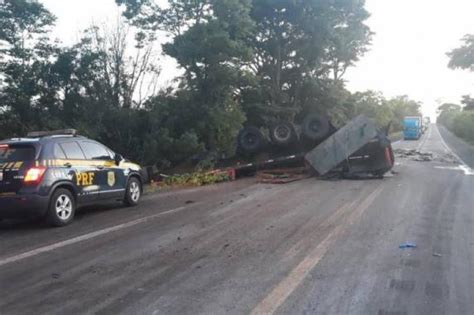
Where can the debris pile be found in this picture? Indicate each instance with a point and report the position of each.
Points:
(414, 155)
(282, 176)
(422, 156)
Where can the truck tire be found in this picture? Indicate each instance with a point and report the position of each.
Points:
(62, 208)
(282, 133)
(315, 127)
(250, 140)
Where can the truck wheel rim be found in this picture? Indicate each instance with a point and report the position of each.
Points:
(134, 191)
(63, 207)
(282, 133)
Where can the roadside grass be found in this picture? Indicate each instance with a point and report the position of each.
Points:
(461, 123)
(195, 179)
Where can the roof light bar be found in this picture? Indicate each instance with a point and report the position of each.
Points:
(38, 134)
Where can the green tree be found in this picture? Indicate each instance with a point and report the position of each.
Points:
(402, 106)
(446, 114)
(296, 52)
(461, 123)
(374, 105)
(298, 46)
(208, 42)
(22, 21)
(24, 63)
(463, 57)
(449, 107)
(468, 102)
(384, 111)
(457, 119)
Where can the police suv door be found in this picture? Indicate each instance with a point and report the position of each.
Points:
(110, 177)
(83, 173)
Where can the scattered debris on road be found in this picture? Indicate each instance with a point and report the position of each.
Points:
(407, 245)
(422, 156)
(55, 276)
(414, 154)
(282, 176)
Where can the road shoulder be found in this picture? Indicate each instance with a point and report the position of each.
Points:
(463, 149)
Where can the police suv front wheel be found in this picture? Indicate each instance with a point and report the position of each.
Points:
(134, 192)
(62, 208)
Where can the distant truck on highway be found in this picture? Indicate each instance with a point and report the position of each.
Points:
(412, 127)
(426, 123)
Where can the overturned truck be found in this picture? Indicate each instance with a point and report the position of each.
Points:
(358, 149)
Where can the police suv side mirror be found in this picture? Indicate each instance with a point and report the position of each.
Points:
(118, 158)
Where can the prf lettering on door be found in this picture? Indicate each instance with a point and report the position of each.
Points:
(84, 179)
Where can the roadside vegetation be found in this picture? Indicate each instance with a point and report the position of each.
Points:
(243, 62)
(459, 118)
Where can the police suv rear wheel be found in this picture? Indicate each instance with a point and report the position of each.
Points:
(62, 208)
(134, 192)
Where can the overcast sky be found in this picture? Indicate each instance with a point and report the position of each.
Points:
(407, 56)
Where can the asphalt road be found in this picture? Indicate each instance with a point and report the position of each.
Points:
(309, 247)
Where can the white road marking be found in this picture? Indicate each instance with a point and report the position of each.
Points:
(288, 285)
(464, 167)
(84, 237)
(423, 139)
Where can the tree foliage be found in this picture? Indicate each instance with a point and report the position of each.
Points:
(468, 102)
(298, 46)
(450, 115)
(24, 60)
(457, 119)
(385, 111)
(463, 57)
(244, 62)
(289, 52)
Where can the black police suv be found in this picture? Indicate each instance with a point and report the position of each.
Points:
(51, 174)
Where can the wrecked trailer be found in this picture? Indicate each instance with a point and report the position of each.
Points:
(357, 149)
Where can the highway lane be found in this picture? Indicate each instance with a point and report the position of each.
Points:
(311, 246)
(366, 272)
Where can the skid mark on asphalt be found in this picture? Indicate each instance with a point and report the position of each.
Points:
(287, 286)
(84, 237)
